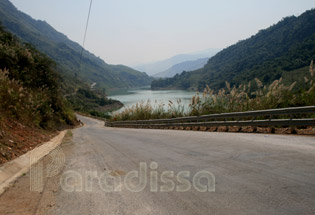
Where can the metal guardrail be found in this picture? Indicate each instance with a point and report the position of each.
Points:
(209, 120)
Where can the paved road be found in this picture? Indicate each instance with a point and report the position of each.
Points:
(254, 173)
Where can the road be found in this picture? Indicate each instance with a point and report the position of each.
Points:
(254, 174)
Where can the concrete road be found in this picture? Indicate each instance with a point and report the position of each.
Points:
(254, 174)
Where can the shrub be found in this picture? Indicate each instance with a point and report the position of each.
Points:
(29, 89)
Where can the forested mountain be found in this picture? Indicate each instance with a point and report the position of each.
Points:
(160, 66)
(67, 53)
(184, 66)
(284, 49)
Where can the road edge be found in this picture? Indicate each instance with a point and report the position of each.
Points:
(12, 170)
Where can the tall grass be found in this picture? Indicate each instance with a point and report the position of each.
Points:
(29, 86)
(251, 96)
(149, 110)
(33, 106)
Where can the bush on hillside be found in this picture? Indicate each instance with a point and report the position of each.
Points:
(29, 89)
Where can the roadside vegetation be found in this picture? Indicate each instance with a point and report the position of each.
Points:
(29, 89)
(32, 108)
(35, 101)
(251, 96)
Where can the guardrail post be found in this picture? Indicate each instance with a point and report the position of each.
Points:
(291, 116)
(254, 127)
(273, 129)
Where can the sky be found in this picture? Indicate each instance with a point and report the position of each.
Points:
(133, 32)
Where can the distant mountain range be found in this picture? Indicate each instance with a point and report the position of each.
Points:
(67, 53)
(161, 66)
(184, 66)
(282, 50)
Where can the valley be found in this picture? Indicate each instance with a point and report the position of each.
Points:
(226, 130)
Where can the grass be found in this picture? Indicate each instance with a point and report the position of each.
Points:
(252, 96)
(147, 110)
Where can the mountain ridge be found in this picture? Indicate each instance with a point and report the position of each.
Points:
(66, 53)
(184, 66)
(162, 65)
(276, 51)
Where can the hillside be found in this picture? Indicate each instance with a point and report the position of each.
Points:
(184, 66)
(282, 50)
(32, 107)
(67, 53)
(159, 66)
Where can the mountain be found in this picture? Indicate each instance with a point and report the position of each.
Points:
(282, 50)
(184, 66)
(67, 53)
(160, 66)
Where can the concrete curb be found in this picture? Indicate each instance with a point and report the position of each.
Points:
(10, 171)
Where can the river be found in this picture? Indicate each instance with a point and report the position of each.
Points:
(132, 97)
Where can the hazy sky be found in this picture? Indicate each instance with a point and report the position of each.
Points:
(131, 32)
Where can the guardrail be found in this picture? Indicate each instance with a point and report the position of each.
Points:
(297, 117)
